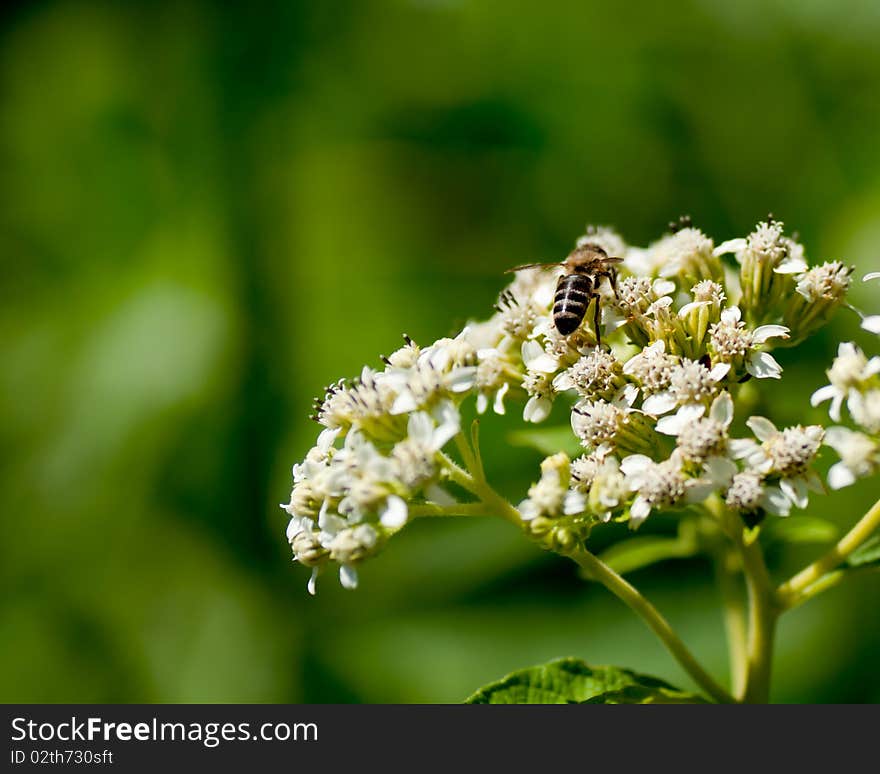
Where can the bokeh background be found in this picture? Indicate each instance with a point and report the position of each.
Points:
(210, 210)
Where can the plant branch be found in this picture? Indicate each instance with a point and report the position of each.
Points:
(763, 613)
(727, 573)
(630, 596)
(803, 585)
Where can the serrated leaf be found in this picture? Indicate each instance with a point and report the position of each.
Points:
(548, 440)
(572, 681)
(643, 694)
(867, 555)
(800, 529)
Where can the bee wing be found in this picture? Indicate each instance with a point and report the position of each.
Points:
(530, 266)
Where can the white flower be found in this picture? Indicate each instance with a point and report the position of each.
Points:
(849, 374)
(550, 496)
(859, 456)
(434, 374)
(767, 245)
(690, 384)
(865, 410)
(518, 317)
(786, 454)
(828, 282)
(538, 381)
(604, 425)
(701, 439)
(609, 489)
(492, 380)
(635, 295)
(732, 342)
(652, 367)
(594, 376)
(749, 493)
(415, 456)
(660, 485)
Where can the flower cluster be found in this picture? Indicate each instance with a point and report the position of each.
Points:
(854, 380)
(682, 330)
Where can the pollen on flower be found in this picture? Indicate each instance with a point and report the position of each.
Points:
(414, 462)
(652, 368)
(793, 449)
(730, 339)
(594, 376)
(538, 384)
(662, 484)
(597, 422)
(708, 291)
(829, 282)
(767, 241)
(701, 439)
(745, 492)
(354, 544)
(635, 295)
(692, 382)
(517, 318)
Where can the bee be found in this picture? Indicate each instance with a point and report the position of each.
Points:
(584, 269)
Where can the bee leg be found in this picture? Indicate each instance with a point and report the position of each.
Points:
(612, 277)
(597, 315)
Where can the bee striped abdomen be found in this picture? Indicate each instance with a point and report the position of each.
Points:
(573, 293)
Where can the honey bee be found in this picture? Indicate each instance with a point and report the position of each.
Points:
(584, 269)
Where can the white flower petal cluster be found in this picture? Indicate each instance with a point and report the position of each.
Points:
(653, 406)
(854, 381)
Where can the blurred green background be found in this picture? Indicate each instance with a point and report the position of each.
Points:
(209, 211)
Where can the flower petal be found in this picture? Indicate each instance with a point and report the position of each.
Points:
(313, 581)
(721, 470)
(635, 463)
(764, 332)
(731, 315)
(774, 501)
(762, 427)
(348, 576)
(659, 403)
(872, 275)
(498, 406)
(796, 491)
(730, 246)
(872, 323)
(537, 409)
(395, 513)
(639, 511)
(763, 365)
(722, 409)
(822, 394)
(839, 476)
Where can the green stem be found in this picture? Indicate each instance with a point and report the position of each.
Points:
(457, 509)
(727, 572)
(599, 571)
(792, 592)
(763, 613)
(630, 596)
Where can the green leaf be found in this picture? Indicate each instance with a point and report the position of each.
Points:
(643, 694)
(867, 556)
(800, 529)
(571, 681)
(548, 440)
